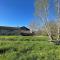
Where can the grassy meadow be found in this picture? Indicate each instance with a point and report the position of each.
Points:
(28, 48)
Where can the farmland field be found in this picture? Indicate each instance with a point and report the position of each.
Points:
(28, 48)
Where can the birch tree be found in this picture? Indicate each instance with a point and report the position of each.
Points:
(53, 29)
(57, 6)
(42, 12)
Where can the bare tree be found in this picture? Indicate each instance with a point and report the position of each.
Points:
(57, 6)
(53, 29)
(33, 26)
(42, 12)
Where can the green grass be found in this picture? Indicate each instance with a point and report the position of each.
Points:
(28, 48)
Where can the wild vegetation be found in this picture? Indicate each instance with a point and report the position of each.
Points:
(42, 12)
(28, 48)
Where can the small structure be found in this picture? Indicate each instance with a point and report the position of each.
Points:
(15, 31)
(24, 31)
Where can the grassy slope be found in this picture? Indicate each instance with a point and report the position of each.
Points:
(28, 48)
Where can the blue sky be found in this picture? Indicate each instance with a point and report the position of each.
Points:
(19, 12)
(16, 12)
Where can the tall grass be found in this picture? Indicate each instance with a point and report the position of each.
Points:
(28, 48)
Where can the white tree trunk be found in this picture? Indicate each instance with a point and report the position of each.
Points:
(58, 20)
(58, 33)
(47, 29)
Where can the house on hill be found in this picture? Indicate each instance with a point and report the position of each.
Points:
(15, 31)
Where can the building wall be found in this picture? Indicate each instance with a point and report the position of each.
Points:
(9, 31)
